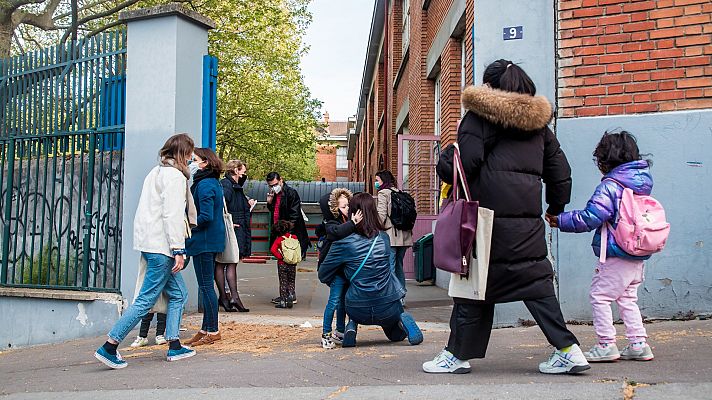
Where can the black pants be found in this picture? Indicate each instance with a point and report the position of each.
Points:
(146, 323)
(471, 326)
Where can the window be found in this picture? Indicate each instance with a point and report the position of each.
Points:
(405, 36)
(341, 161)
(437, 106)
(463, 71)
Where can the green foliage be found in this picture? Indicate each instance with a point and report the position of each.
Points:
(266, 115)
(44, 268)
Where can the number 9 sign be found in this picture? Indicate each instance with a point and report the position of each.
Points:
(513, 33)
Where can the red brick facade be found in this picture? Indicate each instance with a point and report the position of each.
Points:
(404, 81)
(331, 138)
(614, 57)
(626, 57)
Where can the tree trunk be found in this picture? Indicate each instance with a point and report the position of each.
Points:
(6, 30)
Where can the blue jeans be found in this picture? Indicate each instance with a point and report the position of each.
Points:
(387, 316)
(397, 254)
(336, 303)
(204, 265)
(159, 278)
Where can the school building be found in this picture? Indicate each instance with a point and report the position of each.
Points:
(331, 149)
(644, 66)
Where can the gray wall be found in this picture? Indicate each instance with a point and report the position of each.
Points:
(163, 97)
(30, 321)
(534, 53)
(679, 279)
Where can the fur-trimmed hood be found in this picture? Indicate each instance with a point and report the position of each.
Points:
(334, 199)
(509, 109)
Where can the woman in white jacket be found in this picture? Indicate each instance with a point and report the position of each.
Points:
(161, 225)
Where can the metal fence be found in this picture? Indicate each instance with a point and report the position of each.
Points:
(61, 211)
(61, 158)
(66, 88)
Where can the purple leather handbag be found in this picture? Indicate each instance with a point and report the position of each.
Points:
(454, 234)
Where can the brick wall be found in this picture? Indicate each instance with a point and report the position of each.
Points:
(450, 88)
(626, 57)
(326, 162)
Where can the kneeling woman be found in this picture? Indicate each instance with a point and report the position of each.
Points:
(374, 293)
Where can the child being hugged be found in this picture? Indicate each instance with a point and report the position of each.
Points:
(618, 274)
(288, 251)
(335, 226)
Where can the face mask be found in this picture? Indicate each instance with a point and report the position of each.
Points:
(241, 180)
(277, 189)
(378, 185)
(193, 168)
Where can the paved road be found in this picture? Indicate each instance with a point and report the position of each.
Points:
(267, 355)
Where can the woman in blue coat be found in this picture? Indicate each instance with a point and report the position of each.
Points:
(208, 238)
(374, 294)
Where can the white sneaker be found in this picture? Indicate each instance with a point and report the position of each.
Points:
(446, 363)
(140, 342)
(327, 342)
(337, 337)
(602, 352)
(559, 362)
(160, 339)
(637, 352)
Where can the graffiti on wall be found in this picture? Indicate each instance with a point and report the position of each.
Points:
(49, 221)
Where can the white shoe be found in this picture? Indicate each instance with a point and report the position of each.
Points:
(602, 352)
(160, 339)
(337, 337)
(637, 352)
(140, 342)
(559, 362)
(327, 342)
(446, 363)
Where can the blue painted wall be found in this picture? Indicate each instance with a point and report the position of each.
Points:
(679, 279)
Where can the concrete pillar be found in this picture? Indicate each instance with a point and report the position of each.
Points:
(166, 45)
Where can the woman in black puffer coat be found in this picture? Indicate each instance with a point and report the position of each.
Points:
(507, 151)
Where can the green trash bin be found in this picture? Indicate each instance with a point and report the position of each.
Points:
(423, 251)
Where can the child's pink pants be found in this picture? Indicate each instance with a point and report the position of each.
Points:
(617, 280)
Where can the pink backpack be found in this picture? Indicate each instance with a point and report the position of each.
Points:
(641, 230)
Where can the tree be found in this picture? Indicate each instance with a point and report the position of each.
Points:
(39, 23)
(266, 115)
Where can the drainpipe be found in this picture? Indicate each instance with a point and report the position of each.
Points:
(386, 123)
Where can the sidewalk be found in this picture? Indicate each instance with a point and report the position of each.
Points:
(270, 356)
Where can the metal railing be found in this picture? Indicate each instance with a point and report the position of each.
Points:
(61, 210)
(77, 86)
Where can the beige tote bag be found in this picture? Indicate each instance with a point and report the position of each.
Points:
(475, 287)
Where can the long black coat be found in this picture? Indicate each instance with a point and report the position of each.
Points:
(507, 151)
(290, 209)
(237, 205)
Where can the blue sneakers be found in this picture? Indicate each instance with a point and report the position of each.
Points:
(183, 352)
(415, 336)
(111, 361)
(350, 334)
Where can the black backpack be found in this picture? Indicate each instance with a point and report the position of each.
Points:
(403, 212)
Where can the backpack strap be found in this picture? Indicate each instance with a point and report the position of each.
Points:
(604, 243)
(364, 260)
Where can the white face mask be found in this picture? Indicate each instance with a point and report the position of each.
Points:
(277, 189)
(193, 168)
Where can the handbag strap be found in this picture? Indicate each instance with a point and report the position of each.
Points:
(458, 172)
(364, 260)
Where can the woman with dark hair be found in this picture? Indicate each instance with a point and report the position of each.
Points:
(160, 235)
(239, 206)
(507, 151)
(374, 293)
(400, 240)
(208, 239)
